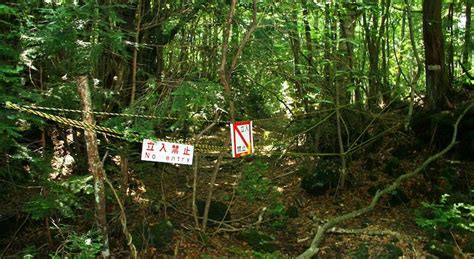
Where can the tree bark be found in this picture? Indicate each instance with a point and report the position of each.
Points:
(450, 43)
(374, 34)
(437, 84)
(135, 50)
(225, 74)
(347, 23)
(467, 37)
(95, 165)
(419, 64)
(295, 43)
(225, 78)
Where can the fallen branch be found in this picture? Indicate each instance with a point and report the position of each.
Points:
(365, 231)
(314, 247)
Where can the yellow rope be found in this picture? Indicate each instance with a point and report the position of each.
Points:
(133, 137)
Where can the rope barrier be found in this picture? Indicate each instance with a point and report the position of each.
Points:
(134, 137)
(131, 137)
(54, 109)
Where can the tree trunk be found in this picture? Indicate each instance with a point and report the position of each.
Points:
(450, 43)
(419, 64)
(295, 43)
(95, 165)
(135, 51)
(437, 84)
(467, 37)
(347, 23)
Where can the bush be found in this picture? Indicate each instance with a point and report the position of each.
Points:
(253, 186)
(446, 215)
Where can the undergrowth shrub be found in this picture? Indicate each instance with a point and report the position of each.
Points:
(78, 245)
(253, 186)
(446, 215)
(62, 199)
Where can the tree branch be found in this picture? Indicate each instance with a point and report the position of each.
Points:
(314, 247)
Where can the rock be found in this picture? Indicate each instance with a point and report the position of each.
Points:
(217, 210)
(259, 241)
(324, 178)
(161, 235)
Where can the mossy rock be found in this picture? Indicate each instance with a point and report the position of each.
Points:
(217, 210)
(161, 235)
(259, 241)
(393, 167)
(441, 250)
(324, 178)
(390, 251)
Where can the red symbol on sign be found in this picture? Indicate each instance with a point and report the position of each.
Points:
(163, 147)
(174, 149)
(242, 140)
(186, 151)
(150, 145)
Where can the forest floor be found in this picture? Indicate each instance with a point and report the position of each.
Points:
(283, 222)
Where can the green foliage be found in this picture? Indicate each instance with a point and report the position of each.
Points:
(62, 199)
(253, 186)
(29, 252)
(72, 36)
(279, 214)
(13, 125)
(446, 215)
(81, 245)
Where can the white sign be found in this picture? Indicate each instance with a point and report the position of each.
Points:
(242, 138)
(166, 152)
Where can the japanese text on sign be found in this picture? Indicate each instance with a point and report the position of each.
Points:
(242, 138)
(166, 152)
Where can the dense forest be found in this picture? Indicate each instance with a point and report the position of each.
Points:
(355, 120)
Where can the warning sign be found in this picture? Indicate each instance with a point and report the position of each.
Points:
(242, 138)
(166, 152)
